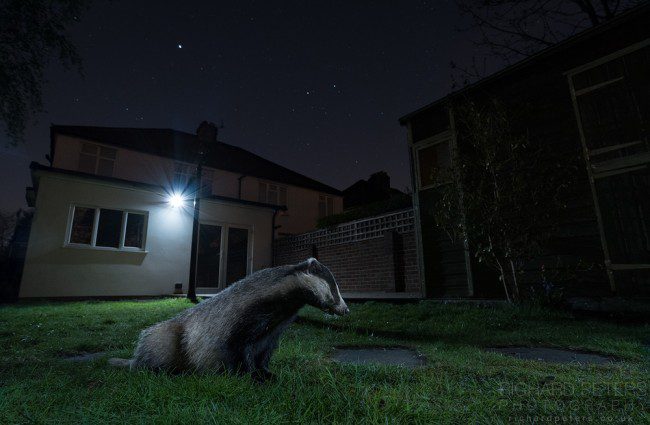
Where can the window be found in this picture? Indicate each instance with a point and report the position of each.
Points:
(95, 159)
(325, 206)
(270, 193)
(107, 228)
(432, 160)
(82, 225)
(185, 173)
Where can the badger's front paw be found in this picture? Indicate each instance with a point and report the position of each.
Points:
(262, 375)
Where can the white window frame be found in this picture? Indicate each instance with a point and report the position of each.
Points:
(97, 156)
(445, 137)
(93, 238)
(189, 172)
(223, 257)
(325, 197)
(279, 190)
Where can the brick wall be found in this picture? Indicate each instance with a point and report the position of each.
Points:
(384, 263)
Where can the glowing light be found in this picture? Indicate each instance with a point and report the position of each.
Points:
(175, 200)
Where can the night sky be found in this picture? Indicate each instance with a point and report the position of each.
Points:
(314, 86)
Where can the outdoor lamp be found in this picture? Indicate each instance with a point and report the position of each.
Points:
(175, 200)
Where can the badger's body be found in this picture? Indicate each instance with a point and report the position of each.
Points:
(239, 328)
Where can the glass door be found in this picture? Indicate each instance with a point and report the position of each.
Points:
(208, 262)
(224, 256)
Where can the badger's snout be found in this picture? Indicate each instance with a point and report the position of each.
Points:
(341, 309)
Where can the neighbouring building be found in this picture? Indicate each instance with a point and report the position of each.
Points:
(113, 212)
(375, 190)
(588, 96)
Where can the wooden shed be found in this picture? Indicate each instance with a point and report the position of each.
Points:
(588, 96)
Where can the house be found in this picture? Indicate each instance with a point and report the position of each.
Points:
(114, 213)
(375, 189)
(588, 96)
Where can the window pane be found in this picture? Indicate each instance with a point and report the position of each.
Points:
(272, 197)
(107, 152)
(262, 192)
(237, 254)
(134, 236)
(89, 148)
(82, 225)
(108, 228)
(283, 196)
(105, 167)
(431, 160)
(330, 206)
(209, 256)
(87, 163)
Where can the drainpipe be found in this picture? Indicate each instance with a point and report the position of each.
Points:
(240, 178)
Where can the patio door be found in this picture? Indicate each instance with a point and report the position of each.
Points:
(612, 104)
(224, 256)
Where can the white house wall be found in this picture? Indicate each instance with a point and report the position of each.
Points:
(54, 270)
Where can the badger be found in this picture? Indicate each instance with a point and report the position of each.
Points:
(238, 329)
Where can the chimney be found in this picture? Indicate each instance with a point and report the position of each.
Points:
(207, 132)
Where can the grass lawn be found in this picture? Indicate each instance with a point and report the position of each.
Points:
(460, 384)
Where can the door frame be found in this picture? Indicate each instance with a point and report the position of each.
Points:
(223, 254)
(632, 163)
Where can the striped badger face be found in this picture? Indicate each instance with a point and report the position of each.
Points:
(320, 281)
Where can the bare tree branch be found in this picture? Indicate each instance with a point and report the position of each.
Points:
(512, 29)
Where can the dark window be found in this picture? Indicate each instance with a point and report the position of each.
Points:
(325, 206)
(272, 194)
(237, 254)
(96, 159)
(432, 160)
(108, 228)
(134, 236)
(82, 225)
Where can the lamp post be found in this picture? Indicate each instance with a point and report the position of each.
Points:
(207, 132)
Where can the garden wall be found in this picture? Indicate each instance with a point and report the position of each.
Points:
(376, 254)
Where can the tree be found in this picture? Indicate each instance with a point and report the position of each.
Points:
(510, 30)
(7, 223)
(503, 193)
(32, 32)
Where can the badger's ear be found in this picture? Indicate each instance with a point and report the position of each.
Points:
(310, 265)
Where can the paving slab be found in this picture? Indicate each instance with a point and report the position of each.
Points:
(393, 356)
(84, 357)
(552, 355)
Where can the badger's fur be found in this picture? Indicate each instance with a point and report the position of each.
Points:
(238, 329)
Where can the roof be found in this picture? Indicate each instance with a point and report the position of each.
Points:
(183, 147)
(549, 51)
(36, 167)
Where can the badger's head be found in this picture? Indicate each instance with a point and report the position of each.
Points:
(320, 286)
